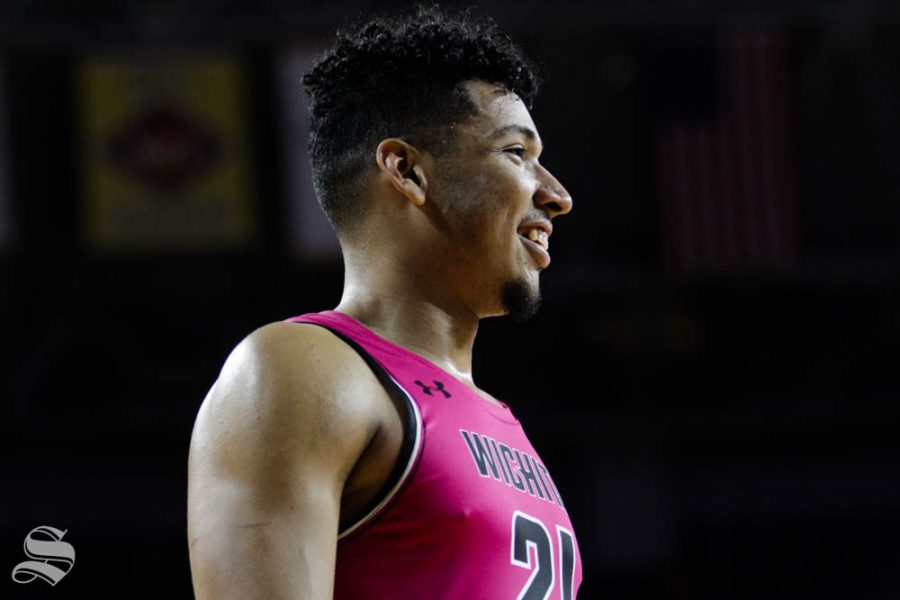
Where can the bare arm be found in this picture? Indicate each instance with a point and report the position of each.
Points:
(272, 447)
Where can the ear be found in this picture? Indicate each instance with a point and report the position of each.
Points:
(398, 161)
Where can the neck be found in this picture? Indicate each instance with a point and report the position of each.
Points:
(409, 309)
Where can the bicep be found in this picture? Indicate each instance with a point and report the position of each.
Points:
(271, 450)
(245, 545)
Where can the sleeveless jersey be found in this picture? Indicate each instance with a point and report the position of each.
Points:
(470, 511)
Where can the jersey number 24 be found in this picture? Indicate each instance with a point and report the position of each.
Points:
(529, 532)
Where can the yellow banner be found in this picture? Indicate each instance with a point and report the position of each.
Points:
(165, 154)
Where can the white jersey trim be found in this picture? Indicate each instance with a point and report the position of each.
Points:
(418, 432)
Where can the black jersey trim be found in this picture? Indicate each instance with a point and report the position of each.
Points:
(409, 447)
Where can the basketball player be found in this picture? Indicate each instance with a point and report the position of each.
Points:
(350, 453)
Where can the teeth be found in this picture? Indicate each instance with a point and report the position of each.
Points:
(538, 236)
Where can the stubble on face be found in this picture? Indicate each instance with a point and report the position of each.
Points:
(520, 300)
(517, 298)
(472, 195)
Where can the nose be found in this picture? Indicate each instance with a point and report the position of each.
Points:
(551, 196)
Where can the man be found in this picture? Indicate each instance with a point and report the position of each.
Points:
(349, 453)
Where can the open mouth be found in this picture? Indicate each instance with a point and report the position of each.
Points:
(537, 235)
(537, 240)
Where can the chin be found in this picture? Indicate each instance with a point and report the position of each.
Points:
(521, 299)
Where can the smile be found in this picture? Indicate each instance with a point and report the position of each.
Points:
(538, 236)
(538, 248)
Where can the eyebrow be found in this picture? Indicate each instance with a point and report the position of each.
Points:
(528, 132)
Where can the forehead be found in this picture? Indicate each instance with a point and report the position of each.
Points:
(498, 110)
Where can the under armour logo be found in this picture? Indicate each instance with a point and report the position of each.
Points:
(438, 387)
(44, 551)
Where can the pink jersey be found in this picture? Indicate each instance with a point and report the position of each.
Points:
(470, 512)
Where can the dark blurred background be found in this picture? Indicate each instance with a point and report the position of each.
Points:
(713, 379)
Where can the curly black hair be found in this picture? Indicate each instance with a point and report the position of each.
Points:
(400, 77)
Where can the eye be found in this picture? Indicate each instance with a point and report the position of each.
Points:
(517, 150)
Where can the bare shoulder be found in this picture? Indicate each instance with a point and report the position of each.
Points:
(288, 384)
(275, 440)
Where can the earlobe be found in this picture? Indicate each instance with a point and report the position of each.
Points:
(396, 159)
(418, 184)
(414, 191)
